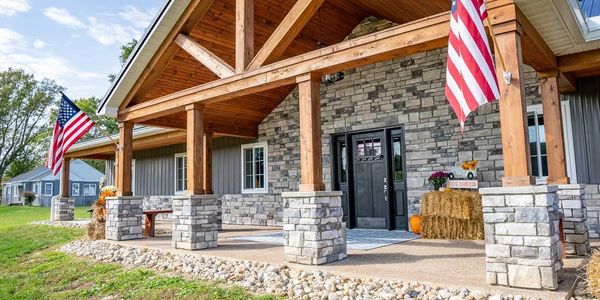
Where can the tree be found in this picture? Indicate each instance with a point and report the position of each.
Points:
(126, 51)
(24, 110)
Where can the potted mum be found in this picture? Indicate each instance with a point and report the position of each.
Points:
(438, 179)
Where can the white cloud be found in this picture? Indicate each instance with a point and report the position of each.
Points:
(137, 17)
(62, 16)
(11, 7)
(39, 44)
(110, 33)
(15, 53)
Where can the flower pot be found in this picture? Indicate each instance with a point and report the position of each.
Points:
(415, 223)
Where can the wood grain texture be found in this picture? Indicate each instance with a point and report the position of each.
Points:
(195, 150)
(555, 145)
(513, 116)
(311, 166)
(124, 158)
(244, 34)
(204, 56)
(64, 177)
(208, 149)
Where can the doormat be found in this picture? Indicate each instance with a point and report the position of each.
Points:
(358, 239)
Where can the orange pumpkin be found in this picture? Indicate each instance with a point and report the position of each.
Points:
(415, 223)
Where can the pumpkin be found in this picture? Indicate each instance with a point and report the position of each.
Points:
(415, 223)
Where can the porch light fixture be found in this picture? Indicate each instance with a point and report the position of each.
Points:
(333, 78)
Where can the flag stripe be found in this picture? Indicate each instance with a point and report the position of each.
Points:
(470, 73)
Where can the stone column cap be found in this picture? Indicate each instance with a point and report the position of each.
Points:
(311, 194)
(205, 196)
(572, 186)
(125, 198)
(519, 190)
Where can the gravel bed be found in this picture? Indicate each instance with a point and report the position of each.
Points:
(71, 224)
(267, 278)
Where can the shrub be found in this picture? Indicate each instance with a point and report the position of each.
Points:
(29, 197)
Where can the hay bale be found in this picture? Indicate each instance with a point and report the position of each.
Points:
(452, 214)
(593, 274)
(90, 231)
(100, 231)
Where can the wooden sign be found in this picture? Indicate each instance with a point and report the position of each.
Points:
(462, 184)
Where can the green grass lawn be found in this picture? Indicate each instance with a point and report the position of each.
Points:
(30, 268)
(11, 216)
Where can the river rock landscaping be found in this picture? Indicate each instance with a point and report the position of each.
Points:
(266, 278)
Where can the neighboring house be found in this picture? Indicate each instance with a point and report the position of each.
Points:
(84, 185)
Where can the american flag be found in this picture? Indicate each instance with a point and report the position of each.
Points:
(470, 76)
(71, 124)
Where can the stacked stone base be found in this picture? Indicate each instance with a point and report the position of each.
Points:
(574, 211)
(195, 221)
(62, 209)
(313, 230)
(124, 218)
(522, 236)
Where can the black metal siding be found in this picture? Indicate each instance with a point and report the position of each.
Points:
(585, 119)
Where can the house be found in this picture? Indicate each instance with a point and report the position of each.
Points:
(324, 114)
(84, 185)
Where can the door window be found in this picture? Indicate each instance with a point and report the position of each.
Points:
(369, 148)
(397, 157)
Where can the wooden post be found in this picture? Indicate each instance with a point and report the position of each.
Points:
(208, 143)
(513, 116)
(195, 149)
(555, 145)
(244, 34)
(64, 178)
(124, 158)
(311, 167)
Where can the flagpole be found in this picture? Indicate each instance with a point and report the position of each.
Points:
(507, 75)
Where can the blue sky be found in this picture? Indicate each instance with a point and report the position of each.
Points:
(74, 42)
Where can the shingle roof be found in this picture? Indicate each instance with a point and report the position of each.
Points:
(30, 174)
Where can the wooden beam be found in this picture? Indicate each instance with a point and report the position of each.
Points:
(195, 149)
(208, 146)
(195, 10)
(555, 145)
(513, 116)
(204, 56)
(567, 83)
(125, 156)
(402, 40)
(311, 166)
(579, 61)
(64, 178)
(244, 34)
(286, 32)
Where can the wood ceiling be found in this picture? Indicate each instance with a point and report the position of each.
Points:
(216, 31)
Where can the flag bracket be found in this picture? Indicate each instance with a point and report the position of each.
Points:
(507, 77)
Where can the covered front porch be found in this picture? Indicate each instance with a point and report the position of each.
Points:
(522, 220)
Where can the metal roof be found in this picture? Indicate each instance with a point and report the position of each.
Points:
(79, 171)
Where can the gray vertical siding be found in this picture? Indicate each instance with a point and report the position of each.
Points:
(155, 168)
(585, 119)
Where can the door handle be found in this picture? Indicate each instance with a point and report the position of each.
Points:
(385, 190)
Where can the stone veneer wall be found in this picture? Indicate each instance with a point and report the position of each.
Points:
(592, 201)
(407, 92)
(253, 209)
(159, 203)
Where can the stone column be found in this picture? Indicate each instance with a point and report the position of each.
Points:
(522, 243)
(195, 221)
(572, 204)
(312, 227)
(124, 218)
(62, 209)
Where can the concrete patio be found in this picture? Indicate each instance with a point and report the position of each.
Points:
(451, 264)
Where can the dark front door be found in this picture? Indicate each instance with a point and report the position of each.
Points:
(368, 167)
(370, 180)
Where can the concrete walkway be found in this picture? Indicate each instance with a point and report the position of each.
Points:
(450, 264)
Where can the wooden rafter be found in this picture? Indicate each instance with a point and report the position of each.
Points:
(579, 61)
(244, 34)
(167, 50)
(204, 56)
(286, 32)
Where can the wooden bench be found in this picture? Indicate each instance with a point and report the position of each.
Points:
(151, 220)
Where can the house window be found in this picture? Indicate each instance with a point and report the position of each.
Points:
(75, 189)
(537, 142)
(254, 168)
(89, 189)
(180, 173)
(48, 189)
